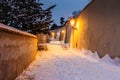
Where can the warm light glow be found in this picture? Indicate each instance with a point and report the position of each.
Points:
(63, 31)
(77, 24)
(58, 33)
(72, 22)
(53, 33)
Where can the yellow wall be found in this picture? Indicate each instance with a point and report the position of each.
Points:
(99, 28)
(78, 35)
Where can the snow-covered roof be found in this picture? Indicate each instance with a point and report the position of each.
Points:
(14, 30)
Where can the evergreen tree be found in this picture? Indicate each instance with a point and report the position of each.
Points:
(62, 21)
(26, 15)
(54, 26)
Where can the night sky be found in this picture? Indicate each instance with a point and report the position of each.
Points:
(64, 8)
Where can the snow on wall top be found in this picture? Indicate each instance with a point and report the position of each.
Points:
(14, 30)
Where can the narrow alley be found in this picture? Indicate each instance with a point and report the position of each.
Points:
(60, 63)
(59, 39)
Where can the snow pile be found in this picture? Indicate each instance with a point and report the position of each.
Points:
(117, 61)
(107, 59)
(55, 42)
(71, 64)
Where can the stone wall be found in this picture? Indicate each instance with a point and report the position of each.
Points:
(17, 50)
(99, 28)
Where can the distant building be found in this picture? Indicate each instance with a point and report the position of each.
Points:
(55, 34)
(60, 33)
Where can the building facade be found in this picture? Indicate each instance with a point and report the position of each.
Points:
(98, 28)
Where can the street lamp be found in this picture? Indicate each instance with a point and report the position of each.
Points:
(73, 23)
(63, 31)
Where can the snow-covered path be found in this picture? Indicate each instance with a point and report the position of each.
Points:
(59, 63)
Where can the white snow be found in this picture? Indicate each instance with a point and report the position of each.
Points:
(59, 63)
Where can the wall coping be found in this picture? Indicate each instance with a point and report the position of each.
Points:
(15, 31)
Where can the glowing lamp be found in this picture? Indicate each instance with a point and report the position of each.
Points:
(62, 31)
(58, 33)
(72, 22)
